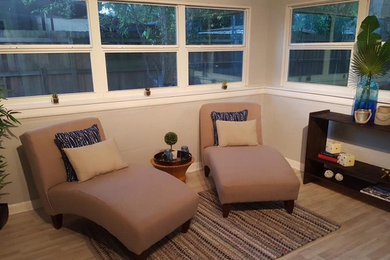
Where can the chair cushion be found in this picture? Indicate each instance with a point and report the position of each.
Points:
(73, 139)
(132, 204)
(251, 173)
(236, 133)
(91, 160)
(227, 116)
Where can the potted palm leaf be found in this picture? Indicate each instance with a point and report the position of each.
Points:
(370, 61)
(7, 120)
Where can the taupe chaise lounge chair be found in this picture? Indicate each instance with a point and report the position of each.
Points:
(245, 173)
(139, 205)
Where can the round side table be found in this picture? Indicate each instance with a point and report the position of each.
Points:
(179, 171)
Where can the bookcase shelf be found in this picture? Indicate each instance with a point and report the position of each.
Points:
(357, 177)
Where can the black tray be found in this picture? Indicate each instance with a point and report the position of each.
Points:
(182, 158)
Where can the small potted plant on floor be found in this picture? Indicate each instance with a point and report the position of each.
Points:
(7, 120)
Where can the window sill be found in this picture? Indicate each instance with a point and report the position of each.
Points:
(91, 102)
(322, 93)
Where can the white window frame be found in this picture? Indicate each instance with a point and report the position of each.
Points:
(97, 53)
(52, 48)
(223, 47)
(315, 87)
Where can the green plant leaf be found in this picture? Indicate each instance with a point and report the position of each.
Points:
(371, 58)
(366, 35)
(7, 121)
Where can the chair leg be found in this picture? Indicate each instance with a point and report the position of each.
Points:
(289, 206)
(186, 226)
(225, 210)
(56, 220)
(206, 171)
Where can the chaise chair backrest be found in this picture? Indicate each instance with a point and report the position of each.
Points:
(44, 157)
(206, 124)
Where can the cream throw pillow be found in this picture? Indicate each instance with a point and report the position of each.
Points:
(91, 160)
(232, 133)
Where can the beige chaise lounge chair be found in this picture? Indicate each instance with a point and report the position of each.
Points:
(139, 205)
(245, 173)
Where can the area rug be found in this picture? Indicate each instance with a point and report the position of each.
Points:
(252, 231)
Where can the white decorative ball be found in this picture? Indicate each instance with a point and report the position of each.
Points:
(328, 174)
(339, 177)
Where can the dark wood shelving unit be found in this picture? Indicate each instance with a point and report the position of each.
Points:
(357, 177)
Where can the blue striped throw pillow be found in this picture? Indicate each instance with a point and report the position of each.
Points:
(75, 139)
(227, 116)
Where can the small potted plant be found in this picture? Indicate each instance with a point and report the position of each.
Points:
(54, 98)
(170, 138)
(224, 84)
(7, 120)
(147, 92)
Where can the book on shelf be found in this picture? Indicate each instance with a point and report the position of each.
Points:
(377, 191)
(334, 155)
(327, 158)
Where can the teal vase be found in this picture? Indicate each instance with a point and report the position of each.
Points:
(366, 96)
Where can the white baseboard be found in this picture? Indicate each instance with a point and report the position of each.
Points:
(296, 164)
(196, 166)
(23, 206)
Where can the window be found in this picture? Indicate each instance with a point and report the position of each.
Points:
(212, 67)
(41, 74)
(381, 9)
(321, 43)
(52, 24)
(43, 22)
(140, 70)
(47, 46)
(129, 25)
(213, 26)
(223, 33)
(140, 24)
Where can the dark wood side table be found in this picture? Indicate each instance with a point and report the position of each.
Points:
(356, 177)
(179, 170)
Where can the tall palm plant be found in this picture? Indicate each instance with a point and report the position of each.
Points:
(7, 120)
(371, 57)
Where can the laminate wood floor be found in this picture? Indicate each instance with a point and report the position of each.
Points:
(364, 232)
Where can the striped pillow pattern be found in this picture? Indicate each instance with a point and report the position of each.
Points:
(227, 116)
(75, 139)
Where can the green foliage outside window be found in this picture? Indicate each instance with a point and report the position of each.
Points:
(122, 23)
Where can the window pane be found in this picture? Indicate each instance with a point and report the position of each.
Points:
(215, 67)
(325, 23)
(42, 74)
(212, 26)
(43, 22)
(381, 9)
(122, 23)
(141, 70)
(329, 67)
